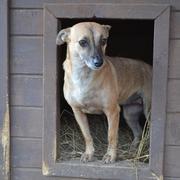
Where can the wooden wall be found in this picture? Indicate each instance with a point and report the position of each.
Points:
(26, 73)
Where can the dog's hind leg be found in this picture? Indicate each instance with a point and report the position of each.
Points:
(132, 113)
(146, 96)
(113, 125)
(81, 118)
(147, 107)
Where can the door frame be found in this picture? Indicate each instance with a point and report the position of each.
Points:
(160, 14)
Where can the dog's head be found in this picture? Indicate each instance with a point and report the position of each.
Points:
(87, 41)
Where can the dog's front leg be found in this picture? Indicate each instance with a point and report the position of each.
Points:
(113, 125)
(81, 118)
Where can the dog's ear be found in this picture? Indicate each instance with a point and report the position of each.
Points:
(106, 27)
(63, 36)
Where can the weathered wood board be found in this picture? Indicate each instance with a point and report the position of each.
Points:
(26, 19)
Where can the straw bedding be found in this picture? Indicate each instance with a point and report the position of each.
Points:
(70, 142)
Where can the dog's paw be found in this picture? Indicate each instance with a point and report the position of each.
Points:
(108, 158)
(86, 158)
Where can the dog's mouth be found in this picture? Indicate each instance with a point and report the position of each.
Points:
(94, 66)
(94, 63)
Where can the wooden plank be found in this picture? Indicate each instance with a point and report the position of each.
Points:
(26, 55)
(173, 104)
(4, 96)
(115, 11)
(34, 174)
(175, 25)
(29, 21)
(98, 170)
(26, 90)
(173, 129)
(172, 161)
(50, 85)
(26, 22)
(159, 92)
(174, 62)
(26, 122)
(26, 152)
(39, 3)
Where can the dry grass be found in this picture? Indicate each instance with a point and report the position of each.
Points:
(70, 143)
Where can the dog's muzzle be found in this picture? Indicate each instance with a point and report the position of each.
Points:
(94, 62)
(97, 61)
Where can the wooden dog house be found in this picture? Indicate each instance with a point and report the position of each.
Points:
(29, 74)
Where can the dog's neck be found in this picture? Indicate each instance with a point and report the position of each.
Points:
(79, 73)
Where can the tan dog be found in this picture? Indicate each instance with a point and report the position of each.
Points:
(95, 83)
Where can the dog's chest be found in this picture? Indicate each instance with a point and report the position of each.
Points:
(86, 99)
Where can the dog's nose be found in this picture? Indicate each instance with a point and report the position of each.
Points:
(97, 61)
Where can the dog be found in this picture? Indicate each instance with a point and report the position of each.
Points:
(96, 84)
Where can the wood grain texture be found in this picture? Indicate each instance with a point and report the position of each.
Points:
(26, 55)
(29, 22)
(159, 92)
(34, 174)
(175, 25)
(39, 3)
(26, 152)
(26, 122)
(173, 104)
(173, 129)
(172, 167)
(172, 161)
(4, 93)
(51, 112)
(26, 90)
(26, 22)
(174, 59)
(114, 11)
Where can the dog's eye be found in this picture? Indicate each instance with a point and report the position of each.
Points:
(83, 43)
(103, 41)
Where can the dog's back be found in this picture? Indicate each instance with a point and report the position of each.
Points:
(134, 77)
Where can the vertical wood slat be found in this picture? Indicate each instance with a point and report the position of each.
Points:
(4, 98)
(50, 92)
(160, 75)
